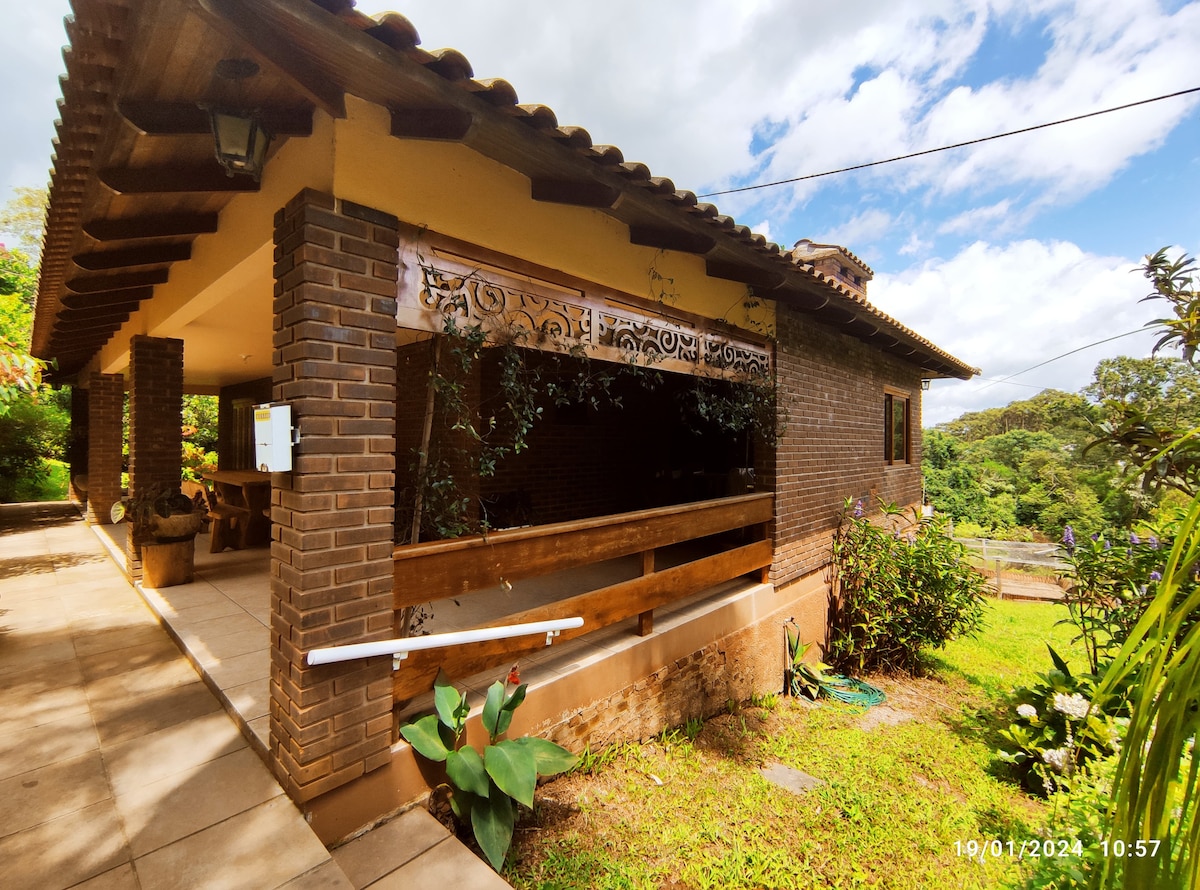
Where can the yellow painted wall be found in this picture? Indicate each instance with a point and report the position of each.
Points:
(219, 301)
(458, 192)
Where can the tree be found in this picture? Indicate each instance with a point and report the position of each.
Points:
(20, 373)
(23, 216)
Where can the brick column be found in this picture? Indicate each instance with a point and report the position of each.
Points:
(155, 412)
(106, 403)
(331, 558)
(77, 448)
(155, 418)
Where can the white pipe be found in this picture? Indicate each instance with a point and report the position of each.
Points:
(401, 647)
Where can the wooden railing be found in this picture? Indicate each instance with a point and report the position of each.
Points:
(428, 572)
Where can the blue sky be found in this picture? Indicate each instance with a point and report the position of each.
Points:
(1005, 254)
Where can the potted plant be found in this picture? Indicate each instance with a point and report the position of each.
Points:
(164, 524)
(162, 515)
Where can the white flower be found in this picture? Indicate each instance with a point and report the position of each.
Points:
(1074, 705)
(1058, 759)
(1026, 711)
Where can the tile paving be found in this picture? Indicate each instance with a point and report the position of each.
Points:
(119, 768)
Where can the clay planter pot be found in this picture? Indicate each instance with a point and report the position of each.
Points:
(177, 527)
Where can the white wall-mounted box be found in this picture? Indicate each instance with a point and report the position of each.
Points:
(273, 438)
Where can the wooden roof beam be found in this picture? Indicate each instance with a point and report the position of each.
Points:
(170, 226)
(174, 179)
(189, 119)
(671, 239)
(133, 256)
(762, 279)
(107, 297)
(452, 124)
(96, 283)
(578, 193)
(242, 22)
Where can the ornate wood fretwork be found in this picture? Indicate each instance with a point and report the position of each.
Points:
(437, 284)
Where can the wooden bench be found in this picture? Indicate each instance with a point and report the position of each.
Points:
(227, 522)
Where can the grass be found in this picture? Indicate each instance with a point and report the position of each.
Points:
(51, 486)
(903, 783)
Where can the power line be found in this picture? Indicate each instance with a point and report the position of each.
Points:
(1057, 357)
(929, 151)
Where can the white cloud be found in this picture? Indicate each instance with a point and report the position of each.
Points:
(1005, 308)
(859, 231)
(997, 219)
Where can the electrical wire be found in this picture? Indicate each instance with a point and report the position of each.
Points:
(929, 151)
(1057, 357)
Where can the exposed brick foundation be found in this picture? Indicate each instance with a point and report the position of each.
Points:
(331, 558)
(106, 405)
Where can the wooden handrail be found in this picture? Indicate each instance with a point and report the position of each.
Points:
(433, 571)
(427, 572)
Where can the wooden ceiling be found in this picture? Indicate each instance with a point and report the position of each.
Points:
(135, 179)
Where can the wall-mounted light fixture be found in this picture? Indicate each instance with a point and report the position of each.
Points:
(925, 384)
(240, 137)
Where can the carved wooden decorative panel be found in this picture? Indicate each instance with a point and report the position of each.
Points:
(516, 303)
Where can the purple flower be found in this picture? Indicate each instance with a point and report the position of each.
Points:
(1069, 538)
(1107, 544)
(1133, 539)
(1156, 576)
(1153, 542)
(858, 509)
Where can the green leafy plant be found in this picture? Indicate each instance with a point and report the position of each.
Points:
(146, 507)
(801, 677)
(485, 789)
(897, 592)
(1155, 792)
(1060, 728)
(1115, 580)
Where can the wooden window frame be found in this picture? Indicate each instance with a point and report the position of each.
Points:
(891, 399)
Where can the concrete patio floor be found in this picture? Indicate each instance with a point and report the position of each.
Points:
(119, 768)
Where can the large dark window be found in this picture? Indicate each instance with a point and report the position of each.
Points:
(896, 426)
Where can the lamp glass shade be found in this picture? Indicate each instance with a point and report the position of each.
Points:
(241, 142)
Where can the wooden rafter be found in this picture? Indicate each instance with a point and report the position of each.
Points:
(189, 119)
(168, 226)
(150, 255)
(579, 193)
(174, 179)
(96, 283)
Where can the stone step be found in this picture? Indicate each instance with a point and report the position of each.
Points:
(413, 850)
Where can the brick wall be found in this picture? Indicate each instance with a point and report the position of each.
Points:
(331, 566)
(106, 405)
(831, 396)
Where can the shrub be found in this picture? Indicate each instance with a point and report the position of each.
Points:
(895, 594)
(1058, 729)
(1116, 579)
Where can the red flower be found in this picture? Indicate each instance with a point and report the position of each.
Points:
(514, 677)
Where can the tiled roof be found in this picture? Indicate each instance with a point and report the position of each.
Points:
(399, 33)
(314, 60)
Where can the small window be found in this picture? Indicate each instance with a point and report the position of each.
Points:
(896, 429)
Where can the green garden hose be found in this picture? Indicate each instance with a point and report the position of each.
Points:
(851, 691)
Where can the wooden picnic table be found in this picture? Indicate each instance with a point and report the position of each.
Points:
(250, 489)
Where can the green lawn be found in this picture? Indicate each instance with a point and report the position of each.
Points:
(51, 487)
(907, 786)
